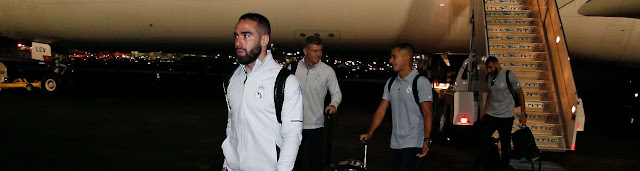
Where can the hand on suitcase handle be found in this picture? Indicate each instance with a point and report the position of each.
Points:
(364, 137)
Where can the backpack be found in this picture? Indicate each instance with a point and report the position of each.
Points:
(294, 67)
(514, 94)
(278, 89)
(414, 88)
(524, 145)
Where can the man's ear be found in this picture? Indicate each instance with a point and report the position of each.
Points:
(264, 41)
(305, 50)
(407, 55)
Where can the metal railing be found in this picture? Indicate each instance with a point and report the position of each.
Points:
(558, 55)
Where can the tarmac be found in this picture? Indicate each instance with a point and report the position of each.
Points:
(113, 125)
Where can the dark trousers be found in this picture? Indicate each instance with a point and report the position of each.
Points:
(310, 153)
(504, 126)
(405, 159)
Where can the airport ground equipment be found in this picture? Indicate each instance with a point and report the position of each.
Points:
(20, 83)
(42, 71)
(527, 37)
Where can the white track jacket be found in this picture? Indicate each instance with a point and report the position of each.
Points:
(253, 132)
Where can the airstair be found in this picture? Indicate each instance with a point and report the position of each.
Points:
(516, 35)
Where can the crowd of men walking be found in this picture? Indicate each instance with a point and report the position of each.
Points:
(276, 115)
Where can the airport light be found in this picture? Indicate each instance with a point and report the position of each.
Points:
(464, 119)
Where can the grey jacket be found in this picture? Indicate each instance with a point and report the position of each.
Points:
(315, 82)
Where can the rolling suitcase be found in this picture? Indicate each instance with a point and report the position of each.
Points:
(353, 164)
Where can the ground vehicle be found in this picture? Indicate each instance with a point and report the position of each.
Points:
(38, 72)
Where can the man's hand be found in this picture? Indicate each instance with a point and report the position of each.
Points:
(364, 137)
(330, 109)
(523, 119)
(425, 149)
(224, 169)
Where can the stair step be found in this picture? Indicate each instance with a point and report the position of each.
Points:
(521, 56)
(505, 37)
(532, 75)
(511, 14)
(541, 106)
(544, 117)
(538, 95)
(506, 29)
(542, 141)
(539, 129)
(507, 7)
(513, 21)
(510, 2)
(548, 140)
(520, 66)
(538, 123)
(552, 149)
(526, 83)
(527, 47)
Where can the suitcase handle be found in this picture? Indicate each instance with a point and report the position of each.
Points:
(365, 153)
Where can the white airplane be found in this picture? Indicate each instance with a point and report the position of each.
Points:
(360, 25)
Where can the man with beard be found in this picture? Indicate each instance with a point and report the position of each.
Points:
(256, 140)
(411, 122)
(498, 111)
(316, 78)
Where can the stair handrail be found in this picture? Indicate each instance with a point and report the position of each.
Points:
(486, 31)
(467, 69)
(559, 59)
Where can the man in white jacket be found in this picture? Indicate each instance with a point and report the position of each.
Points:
(256, 141)
(316, 78)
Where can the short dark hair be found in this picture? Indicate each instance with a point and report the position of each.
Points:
(490, 60)
(312, 40)
(263, 23)
(406, 47)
